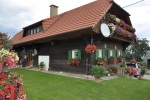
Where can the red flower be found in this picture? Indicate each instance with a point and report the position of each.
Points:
(10, 89)
(90, 48)
(2, 82)
(2, 95)
(2, 77)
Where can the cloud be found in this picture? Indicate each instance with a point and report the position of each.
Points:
(12, 17)
(16, 14)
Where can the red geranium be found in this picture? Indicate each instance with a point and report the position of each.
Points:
(2, 95)
(90, 48)
(2, 77)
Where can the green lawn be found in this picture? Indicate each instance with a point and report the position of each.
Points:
(43, 86)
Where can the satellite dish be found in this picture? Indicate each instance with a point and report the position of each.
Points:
(105, 30)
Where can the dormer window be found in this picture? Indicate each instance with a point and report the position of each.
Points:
(33, 29)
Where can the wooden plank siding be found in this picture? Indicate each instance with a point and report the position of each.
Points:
(58, 51)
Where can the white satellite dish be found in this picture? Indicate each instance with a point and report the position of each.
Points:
(105, 30)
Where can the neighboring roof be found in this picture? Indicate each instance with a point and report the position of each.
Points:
(86, 16)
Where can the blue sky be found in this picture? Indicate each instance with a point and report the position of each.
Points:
(16, 14)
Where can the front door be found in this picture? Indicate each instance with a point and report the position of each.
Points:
(30, 59)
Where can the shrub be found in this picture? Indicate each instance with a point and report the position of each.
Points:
(123, 65)
(42, 64)
(143, 71)
(98, 71)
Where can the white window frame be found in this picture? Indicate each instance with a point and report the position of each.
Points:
(119, 53)
(111, 53)
(74, 54)
(100, 55)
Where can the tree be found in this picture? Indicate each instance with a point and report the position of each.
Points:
(137, 50)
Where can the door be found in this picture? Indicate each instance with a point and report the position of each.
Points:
(30, 59)
(45, 59)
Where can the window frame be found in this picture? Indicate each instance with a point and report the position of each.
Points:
(71, 54)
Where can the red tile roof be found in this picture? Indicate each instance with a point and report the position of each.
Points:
(83, 17)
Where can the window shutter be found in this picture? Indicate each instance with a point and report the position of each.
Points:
(117, 53)
(70, 55)
(103, 54)
(114, 53)
(79, 54)
(121, 53)
(97, 53)
(108, 54)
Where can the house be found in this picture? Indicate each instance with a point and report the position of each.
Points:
(60, 40)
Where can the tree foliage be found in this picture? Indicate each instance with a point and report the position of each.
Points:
(137, 50)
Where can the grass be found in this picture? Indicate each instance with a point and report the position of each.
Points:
(43, 86)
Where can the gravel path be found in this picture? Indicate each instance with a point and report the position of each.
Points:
(83, 76)
(80, 76)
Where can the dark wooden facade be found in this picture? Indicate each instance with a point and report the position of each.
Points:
(58, 51)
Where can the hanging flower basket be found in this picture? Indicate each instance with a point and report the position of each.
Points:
(90, 48)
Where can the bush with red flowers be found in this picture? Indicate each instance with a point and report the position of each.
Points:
(90, 48)
(11, 86)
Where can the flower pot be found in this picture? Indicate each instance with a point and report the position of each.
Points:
(141, 77)
(112, 74)
(96, 78)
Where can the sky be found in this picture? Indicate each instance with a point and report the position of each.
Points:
(16, 14)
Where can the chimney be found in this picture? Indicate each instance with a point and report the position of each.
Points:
(53, 10)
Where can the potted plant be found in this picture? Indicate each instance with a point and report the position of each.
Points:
(99, 61)
(113, 70)
(120, 59)
(98, 71)
(112, 60)
(41, 65)
(142, 72)
(75, 61)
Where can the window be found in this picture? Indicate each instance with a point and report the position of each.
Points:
(111, 53)
(31, 31)
(34, 30)
(119, 53)
(100, 54)
(38, 30)
(74, 54)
